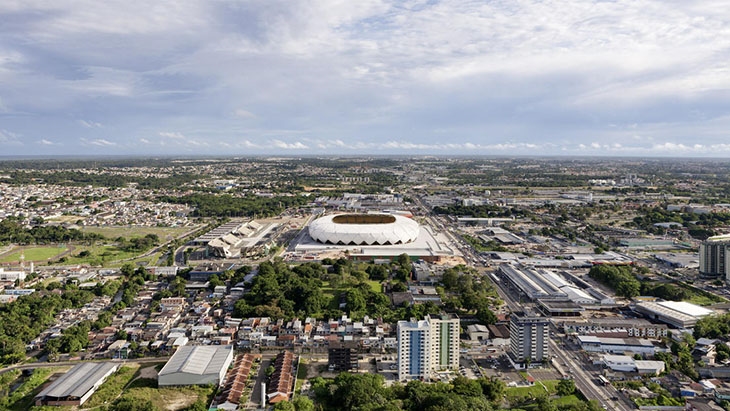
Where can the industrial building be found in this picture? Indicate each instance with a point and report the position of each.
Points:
(196, 365)
(616, 345)
(680, 314)
(427, 346)
(714, 257)
(76, 386)
(625, 363)
(529, 336)
(556, 293)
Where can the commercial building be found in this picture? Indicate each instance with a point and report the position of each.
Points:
(714, 257)
(680, 314)
(196, 365)
(528, 339)
(616, 345)
(77, 385)
(427, 346)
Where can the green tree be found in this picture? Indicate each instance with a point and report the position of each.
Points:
(566, 387)
(302, 403)
(284, 406)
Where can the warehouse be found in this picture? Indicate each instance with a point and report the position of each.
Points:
(680, 314)
(196, 365)
(77, 385)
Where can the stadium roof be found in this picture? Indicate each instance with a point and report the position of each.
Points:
(197, 359)
(364, 229)
(79, 380)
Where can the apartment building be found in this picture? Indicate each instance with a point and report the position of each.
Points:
(427, 346)
(529, 336)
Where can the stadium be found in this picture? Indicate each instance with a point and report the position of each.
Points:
(364, 229)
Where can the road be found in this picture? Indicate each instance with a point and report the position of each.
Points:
(34, 365)
(569, 365)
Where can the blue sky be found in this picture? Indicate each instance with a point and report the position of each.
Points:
(512, 77)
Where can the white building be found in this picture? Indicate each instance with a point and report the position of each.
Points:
(529, 336)
(12, 275)
(680, 314)
(196, 365)
(622, 363)
(427, 346)
(413, 350)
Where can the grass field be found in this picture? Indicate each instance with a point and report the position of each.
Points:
(168, 398)
(113, 386)
(375, 286)
(112, 232)
(22, 398)
(33, 254)
(548, 387)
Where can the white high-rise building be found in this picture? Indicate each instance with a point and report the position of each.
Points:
(715, 256)
(528, 335)
(427, 346)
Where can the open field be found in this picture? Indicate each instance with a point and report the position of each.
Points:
(112, 232)
(22, 398)
(113, 386)
(32, 253)
(103, 255)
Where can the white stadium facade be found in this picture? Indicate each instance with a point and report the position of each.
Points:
(364, 229)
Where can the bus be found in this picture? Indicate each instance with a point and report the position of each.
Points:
(603, 380)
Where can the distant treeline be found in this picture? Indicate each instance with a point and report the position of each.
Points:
(12, 231)
(209, 205)
(77, 178)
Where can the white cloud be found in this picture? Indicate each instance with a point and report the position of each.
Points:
(102, 143)
(371, 75)
(298, 145)
(173, 135)
(9, 138)
(241, 113)
(90, 124)
(144, 141)
(45, 142)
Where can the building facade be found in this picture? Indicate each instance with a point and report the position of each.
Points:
(428, 346)
(413, 350)
(444, 342)
(714, 256)
(529, 336)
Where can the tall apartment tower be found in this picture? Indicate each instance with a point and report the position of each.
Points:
(528, 337)
(414, 350)
(427, 346)
(714, 256)
(445, 330)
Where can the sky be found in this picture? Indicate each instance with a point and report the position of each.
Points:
(344, 77)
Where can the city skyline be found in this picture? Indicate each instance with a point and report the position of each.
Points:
(295, 78)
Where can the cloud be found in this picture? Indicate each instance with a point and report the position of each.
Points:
(368, 76)
(9, 138)
(102, 143)
(45, 142)
(298, 145)
(241, 113)
(89, 124)
(144, 141)
(173, 135)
